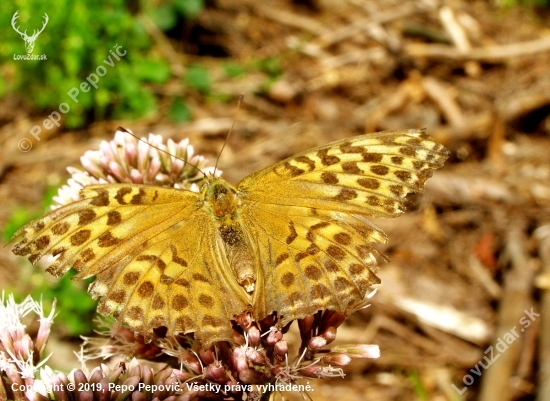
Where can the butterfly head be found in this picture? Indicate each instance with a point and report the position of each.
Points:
(220, 197)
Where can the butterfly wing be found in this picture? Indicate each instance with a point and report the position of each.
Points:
(156, 255)
(306, 217)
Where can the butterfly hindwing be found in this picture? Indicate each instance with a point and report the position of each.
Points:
(310, 259)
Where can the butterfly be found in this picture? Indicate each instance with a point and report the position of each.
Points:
(293, 238)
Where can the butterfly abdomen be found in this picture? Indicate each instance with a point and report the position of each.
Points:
(239, 255)
(221, 201)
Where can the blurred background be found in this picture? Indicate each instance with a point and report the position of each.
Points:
(463, 311)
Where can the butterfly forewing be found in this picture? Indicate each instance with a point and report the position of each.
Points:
(368, 174)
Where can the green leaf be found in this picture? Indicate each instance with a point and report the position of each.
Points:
(163, 16)
(156, 71)
(233, 70)
(74, 120)
(189, 8)
(136, 104)
(76, 308)
(3, 86)
(47, 199)
(18, 218)
(21, 216)
(418, 386)
(179, 112)
(221, 97)
(198, 77)
(271, 66)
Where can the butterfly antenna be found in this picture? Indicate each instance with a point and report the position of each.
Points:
(241, 96)
(161, 150)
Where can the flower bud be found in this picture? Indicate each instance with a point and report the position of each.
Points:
(163, 375)
(190, 361)
(238, 338)
(249, 376)
(254, 336)
(274, 336)
(114, 375)
(84, 395)
(314, 371)
(23, 347)
(358, 350)
(321, 372)
(268, 322)
(240, 362)
(52, 381)
(138, 396)
(216, 372)
(316, 342)
(124, 333)
(160, 392)
(6, 340)
(102, 392)
(329, 334)
(336, 359)
(82, 392)
(95, 376)
(135, 176)
(130, 383)
(244, 320)
(44, 332)
(232, 384)
(257, 357)
(146, 375)
(280, 349)
(181, 376)
(79, 377)
(207, 356)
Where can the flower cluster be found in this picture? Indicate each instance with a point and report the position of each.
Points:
(24, 374)
(255, 364)
(20, 355)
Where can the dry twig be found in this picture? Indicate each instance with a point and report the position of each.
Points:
(444, 98)
(496, 53)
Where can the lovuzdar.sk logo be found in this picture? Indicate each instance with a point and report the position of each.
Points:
(29, 40)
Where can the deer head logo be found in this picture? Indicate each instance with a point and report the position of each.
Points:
(29, 40)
